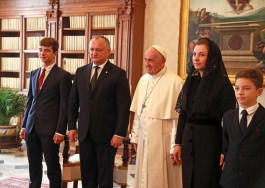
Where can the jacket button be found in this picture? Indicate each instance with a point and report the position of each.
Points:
(190, 140)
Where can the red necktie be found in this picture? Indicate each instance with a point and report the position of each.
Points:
(41, 78)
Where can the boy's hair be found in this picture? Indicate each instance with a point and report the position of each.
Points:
(49, 41)
(255, 75)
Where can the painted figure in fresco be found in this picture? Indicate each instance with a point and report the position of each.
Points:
(261, 64)
(261, 45)
(204, 18)
(240, 5)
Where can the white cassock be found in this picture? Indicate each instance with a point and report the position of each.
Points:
(154, 130)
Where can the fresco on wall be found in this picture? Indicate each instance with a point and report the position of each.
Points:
(238, 26)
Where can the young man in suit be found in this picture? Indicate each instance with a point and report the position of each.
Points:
(244, 135)
(44, 122)
(100, 100)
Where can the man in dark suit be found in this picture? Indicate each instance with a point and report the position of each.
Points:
(100, 100)
(244, 135)
(45, 117)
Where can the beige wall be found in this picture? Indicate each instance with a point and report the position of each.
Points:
(161, 27)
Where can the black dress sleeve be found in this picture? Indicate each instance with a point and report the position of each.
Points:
(181, 124)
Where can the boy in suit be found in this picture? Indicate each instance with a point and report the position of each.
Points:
(244, 135)
(44, 122)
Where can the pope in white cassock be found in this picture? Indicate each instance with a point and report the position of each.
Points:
(155, 123)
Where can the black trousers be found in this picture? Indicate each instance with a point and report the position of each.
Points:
(97, 163)
(37, 146)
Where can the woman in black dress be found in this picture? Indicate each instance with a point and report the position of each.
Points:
(205, 96)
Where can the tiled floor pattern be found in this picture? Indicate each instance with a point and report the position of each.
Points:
(14, 163)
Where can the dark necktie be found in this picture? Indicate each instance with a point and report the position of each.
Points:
(41, 78)
(243, 121)
(94, 79)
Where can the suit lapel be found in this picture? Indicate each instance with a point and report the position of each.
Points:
(35, 79)
(236, 122)
(87, 76)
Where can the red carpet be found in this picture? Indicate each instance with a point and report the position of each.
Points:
(12, 182)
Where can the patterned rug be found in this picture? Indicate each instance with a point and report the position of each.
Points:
(12, 182)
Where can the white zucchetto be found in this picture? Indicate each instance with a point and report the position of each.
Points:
(161, 50)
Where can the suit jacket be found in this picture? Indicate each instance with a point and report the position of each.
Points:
(244, 152)
(47, 110)
(103, 111)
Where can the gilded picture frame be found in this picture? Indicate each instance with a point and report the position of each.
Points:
(241, 37)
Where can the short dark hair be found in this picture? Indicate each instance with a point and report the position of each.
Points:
(49, 41)
(106, 40)
(255, 75)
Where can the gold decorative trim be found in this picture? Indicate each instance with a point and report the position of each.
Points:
(183, 38)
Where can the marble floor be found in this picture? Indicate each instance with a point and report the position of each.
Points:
(13, 163)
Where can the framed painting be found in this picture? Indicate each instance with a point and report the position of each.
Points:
(237, 26)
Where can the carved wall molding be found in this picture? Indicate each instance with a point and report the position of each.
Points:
(127, 9)
(53, 12)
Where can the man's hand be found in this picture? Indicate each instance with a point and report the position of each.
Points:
(72, 134)
(177, 154)
(57, 138)
(22, 133)
(222, 161)
(116, 141)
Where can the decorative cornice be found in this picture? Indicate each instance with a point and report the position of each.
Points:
(53, 12)
(127, 9)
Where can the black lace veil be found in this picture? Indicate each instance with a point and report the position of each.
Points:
(214, 67)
